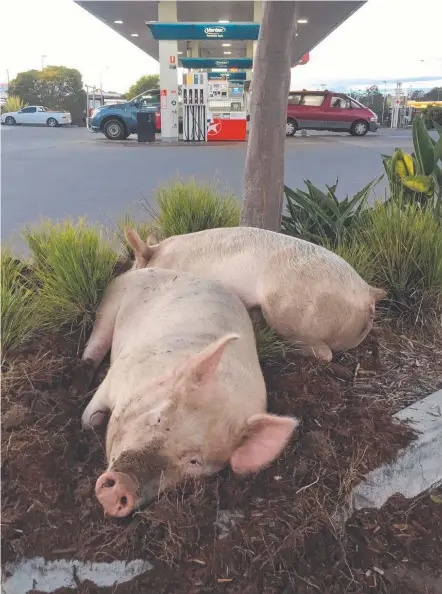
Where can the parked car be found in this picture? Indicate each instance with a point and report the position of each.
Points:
(37, 114)
(325, 110)
(119, 120)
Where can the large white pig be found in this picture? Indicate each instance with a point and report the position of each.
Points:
(184, 388)
(309, 295)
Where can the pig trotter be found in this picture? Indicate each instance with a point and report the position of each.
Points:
(98, 408)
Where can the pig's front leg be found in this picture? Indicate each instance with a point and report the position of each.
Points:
(97, 410)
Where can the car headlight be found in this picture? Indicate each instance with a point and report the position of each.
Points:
(374, 119)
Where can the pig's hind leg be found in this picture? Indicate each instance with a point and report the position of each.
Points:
(283, 320)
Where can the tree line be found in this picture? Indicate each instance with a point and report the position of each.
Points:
(59, 87)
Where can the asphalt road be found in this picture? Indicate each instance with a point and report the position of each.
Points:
(68, 172)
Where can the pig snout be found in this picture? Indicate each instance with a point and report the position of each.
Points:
(116, 492)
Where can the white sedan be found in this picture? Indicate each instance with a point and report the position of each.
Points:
(36, 114)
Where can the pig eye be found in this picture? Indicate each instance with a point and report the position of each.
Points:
(195, 462)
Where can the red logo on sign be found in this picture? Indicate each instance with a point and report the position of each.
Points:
(172, 60)
(214, 128)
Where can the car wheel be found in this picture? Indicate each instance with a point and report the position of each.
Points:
(359, 128)
(291, 127)
(115, 130)
(10, 121)
(52, 123)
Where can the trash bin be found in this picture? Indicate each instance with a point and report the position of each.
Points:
(146, 126)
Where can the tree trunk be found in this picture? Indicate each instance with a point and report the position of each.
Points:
(264, 169)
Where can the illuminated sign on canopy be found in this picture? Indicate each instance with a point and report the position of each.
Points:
(180, 31)
(226, 76)
(217, 62)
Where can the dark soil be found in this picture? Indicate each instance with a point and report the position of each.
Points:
(278, 532)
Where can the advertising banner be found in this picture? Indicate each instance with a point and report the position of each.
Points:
(203, 31)
(216, 62)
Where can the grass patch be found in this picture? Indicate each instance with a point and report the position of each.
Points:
(271, 348)
(190, 206)
(400, 248)
(18, 304)
(73, 263)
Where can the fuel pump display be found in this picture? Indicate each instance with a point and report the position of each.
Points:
(213, 111)
(227, 112)
(195, 95)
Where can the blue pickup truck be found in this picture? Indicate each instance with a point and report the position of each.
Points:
(118, 121)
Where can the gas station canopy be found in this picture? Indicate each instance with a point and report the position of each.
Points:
(204, 34)
(316, 19)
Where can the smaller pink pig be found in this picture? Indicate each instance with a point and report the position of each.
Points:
(308, 294)
(185, 390)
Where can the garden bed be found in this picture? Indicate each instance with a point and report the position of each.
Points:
(278, 532)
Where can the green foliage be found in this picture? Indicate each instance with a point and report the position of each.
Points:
(25, 86)
(417, 177)
(399, 247)
(73, 264)
(431, 114)
(435, 94)
(143, 84)
(190, 206)
(270, 346)
(13, 103)
(55, 87)
(321, 217)
(18, 304)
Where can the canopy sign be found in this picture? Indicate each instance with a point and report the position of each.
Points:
(226, 76)
(180, 31)
(216, 62)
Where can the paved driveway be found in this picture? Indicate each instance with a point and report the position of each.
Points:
(67, 172)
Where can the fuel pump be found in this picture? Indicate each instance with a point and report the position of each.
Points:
(195, 95)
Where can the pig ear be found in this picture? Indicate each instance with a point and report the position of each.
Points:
(141, 249)
(265, 437)
(377, 294)
(200, 368)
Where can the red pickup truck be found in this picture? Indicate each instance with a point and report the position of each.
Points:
(325, 110)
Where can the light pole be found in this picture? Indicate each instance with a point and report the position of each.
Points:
(384, 101)
(101, 77)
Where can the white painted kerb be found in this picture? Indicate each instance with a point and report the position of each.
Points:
(48, 576)
(417, 468)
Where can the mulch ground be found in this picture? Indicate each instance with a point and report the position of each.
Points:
(279, 532)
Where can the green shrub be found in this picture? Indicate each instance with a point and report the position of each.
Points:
(18, 304)
(399, 248)
(321, 217)
(417, 177)
(73, 264)
(13, 103)
(190, 206)
(270, 346)
(432, 114)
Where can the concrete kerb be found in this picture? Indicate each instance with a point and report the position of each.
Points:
(416, 469)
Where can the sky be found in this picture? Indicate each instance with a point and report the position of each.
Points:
(385, 40)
